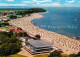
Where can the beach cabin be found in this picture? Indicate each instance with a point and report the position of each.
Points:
(19, 16)
(38, 46)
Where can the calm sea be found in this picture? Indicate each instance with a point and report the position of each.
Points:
(62, 20)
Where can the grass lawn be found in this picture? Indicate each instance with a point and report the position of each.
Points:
(43, 55)
(6, 28)
(46, 55)
(15, 55)
(0, 45)
(65, 55)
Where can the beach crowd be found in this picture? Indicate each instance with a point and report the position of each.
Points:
(66, 44)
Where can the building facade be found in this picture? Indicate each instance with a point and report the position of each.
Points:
(38, 46)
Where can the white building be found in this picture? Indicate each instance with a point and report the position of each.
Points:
(5, 18)
(19, 16)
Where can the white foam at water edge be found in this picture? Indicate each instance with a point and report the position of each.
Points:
(47, 12)
(44, 12)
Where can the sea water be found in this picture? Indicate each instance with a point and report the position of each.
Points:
(62, 20)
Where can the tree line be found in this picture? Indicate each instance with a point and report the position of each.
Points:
(56, 53)
(9, 43)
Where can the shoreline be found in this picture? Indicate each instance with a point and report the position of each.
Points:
(58, 40)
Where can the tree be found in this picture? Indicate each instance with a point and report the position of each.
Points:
(9, 49)
(9, 34)
(78, 54)
(28, 14)
(18, 13)
(4, 50)
(9, 45)
(0, 39)
(0, 25)
(72, 55)
(13, 48)
(5, 40)
(36, 10)
(25, 34)
(55, 53)
(37, 36)
(20, 34)
(12, 17)
(4, 24)
(18, 43)
(13, 38)
(20, 28)
(64, 55)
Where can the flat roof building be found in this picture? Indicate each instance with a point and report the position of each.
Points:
(38, 46)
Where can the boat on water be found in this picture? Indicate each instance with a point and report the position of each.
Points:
(75, 19)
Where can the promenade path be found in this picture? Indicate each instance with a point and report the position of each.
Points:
(66, 44)
(25, 53)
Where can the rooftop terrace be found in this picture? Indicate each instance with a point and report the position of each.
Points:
(39, 43)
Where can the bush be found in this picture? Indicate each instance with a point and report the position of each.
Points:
(36, 10)
(12, 17)
(37, 36)
(4, 24)
(72, 55)
(55, 53)
(9, 45)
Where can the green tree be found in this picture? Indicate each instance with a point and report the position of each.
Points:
(72, 55)
(37, 36)
(18, 43)
(36, 10)
(13, 48)
(78, 54)
(4, 50)
(6, 40)
(20, 28)
(25, 34)
(12, 16)
(9, 45)
(55, 53)
(13, 38)
(20, 34)
(4, 24)
(64, 55)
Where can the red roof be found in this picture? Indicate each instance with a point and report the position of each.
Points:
(12, 30)
(4, 17)
(22, 31)
(16, 30)
(1, 31)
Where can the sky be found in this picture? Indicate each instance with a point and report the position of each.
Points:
(40, 3)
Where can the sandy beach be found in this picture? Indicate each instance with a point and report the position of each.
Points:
(65, 43)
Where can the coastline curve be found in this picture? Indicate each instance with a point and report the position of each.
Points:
(66, 44)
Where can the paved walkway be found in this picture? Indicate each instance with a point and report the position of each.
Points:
(25, 53)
